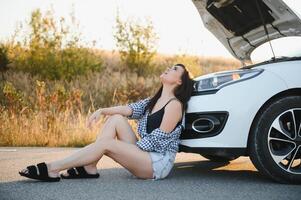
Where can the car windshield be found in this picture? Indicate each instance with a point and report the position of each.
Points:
(282, 47)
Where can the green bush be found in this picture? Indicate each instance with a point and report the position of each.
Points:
(13, 98)
(53, 50)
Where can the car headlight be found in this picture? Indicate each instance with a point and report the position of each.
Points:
(215, 81)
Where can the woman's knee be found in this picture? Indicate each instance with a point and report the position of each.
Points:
(109, 128)
(112, 120)
(115, 118)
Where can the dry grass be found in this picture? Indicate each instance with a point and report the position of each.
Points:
(36, 112)
(41, 129)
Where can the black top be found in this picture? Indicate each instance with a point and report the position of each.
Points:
(154, 120)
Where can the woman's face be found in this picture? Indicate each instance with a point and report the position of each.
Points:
(172, 75)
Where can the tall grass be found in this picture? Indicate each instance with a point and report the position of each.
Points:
(43, 112)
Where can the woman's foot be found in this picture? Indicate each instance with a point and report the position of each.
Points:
(81, 172)
(51, 173)
(40, 171)
(89, 169)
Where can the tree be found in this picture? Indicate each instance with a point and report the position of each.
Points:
(136, 44)
(53, 49)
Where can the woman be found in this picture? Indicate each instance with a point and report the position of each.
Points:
(159, 127)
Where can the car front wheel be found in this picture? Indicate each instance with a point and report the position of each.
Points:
(275, 140)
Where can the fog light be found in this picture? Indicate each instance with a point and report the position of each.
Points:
(203, 125)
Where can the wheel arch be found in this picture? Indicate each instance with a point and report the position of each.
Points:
(288, 92)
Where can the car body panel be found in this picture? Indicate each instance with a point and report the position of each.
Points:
(291, 74)
(241, 100)
(238, 25)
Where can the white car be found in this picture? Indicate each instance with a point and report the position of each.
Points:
(255, 110)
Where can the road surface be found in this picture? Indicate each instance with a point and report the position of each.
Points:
(192, 177)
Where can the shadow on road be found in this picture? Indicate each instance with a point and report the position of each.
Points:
(209, 170)
(187, 180)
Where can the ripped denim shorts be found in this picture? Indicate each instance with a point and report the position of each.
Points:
(162, 164)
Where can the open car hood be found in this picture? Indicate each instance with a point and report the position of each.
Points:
(238, 24)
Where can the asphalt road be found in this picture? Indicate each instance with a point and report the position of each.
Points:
(192, 177)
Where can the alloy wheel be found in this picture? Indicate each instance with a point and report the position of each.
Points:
(284, 140)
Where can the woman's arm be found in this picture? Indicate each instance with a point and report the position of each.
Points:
(167, 135)
(123, 110)
(95, 116)
(172, 115)
(131, 111)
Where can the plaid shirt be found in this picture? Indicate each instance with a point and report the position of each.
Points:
(157, 140)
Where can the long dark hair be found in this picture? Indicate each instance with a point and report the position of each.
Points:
(182, 92)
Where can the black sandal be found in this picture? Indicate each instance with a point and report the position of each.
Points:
(79, 172)
(39, 172)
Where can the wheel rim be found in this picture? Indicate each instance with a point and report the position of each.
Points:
(284, 140)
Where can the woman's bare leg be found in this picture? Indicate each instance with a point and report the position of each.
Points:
(131, 157)
(123, 131)
(127, 154)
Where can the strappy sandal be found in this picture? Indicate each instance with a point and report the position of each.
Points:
(79, 172)
(39, 172)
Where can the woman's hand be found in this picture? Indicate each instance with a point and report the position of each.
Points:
(93, 118)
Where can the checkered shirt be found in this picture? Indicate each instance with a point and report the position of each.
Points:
(158, 140)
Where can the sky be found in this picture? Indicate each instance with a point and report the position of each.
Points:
(177, 22)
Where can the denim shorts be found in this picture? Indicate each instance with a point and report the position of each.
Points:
(162, 163)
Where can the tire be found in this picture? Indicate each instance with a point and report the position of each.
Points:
(275, 140)
(216, 158)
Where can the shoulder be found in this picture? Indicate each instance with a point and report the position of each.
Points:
(175, 103)
(172, 116)
(174, 106)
